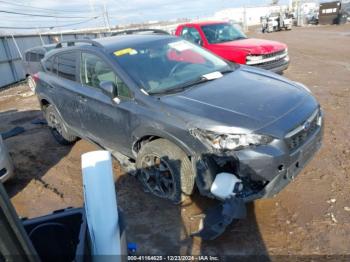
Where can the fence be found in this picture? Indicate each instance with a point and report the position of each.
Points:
(12, 50)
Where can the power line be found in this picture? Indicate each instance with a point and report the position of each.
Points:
(39, 15)
(41, 27)
(39, 8)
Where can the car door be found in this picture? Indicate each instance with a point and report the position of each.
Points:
(104, 120)
(65, 88)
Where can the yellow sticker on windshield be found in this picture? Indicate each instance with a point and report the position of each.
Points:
(126, 51)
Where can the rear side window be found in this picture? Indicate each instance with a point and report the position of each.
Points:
(93, 70)
(66, 65)
(32, 57)
(28, 54)
(54, 65)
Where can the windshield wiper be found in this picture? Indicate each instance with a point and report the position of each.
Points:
(181, 87)
(202, 79)
(227, 71)
(229, 40)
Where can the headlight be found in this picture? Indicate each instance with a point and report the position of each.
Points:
(230, 141)
(303, 86)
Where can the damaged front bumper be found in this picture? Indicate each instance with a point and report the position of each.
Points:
(281, 170)
(219, 217)
(264, 170)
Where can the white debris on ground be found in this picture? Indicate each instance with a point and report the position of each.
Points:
(334, 220)
(332, 200)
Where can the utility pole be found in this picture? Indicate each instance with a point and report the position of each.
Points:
(290, 5)
(299, 13)
(105, 14)
(245, 25)
(41, 39)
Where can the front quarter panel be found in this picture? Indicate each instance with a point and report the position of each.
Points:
(156, 120)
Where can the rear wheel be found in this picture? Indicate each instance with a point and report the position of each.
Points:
(165, 170)
(58, 129)
(31, 83)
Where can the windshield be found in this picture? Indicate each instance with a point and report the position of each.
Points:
(162, 65)
(219, 33)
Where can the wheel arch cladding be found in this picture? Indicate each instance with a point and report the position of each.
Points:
(140, 140)
(44, 103)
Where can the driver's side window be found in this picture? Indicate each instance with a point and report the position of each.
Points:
(191, 34)
(93, 70)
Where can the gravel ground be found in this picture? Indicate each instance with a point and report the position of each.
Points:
(311, 216)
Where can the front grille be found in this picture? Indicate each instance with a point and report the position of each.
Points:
(299, 135)
(271, 64)
(270, 59)
(274, 54)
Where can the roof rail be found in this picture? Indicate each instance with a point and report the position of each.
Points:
(72, 43)
(140, 31)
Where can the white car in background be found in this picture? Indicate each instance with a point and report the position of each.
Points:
(6, 166)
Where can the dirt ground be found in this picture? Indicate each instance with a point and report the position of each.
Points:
(311, 216)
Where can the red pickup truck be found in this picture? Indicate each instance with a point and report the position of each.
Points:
(225, 40)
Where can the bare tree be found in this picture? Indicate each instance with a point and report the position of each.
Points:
(274, 2)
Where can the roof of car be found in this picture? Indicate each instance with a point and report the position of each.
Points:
(124, 41)
(113, 43)
(41, 48)
(141, 31)
(203, 23)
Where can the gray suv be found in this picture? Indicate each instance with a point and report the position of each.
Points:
(182, 114)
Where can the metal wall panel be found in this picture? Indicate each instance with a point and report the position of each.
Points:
(6, 76)
(11, 69)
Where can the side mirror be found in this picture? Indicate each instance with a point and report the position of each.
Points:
(200, 42)
(109, 89)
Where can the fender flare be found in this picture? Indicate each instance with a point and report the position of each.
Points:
(143, 132)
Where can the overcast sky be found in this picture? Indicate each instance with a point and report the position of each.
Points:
(120, 11)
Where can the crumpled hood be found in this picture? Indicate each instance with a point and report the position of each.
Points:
(253, 46)
(247, 98)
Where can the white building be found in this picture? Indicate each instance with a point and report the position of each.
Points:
(309, 7)
(249, 15)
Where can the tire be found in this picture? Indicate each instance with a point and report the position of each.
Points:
(171, 164)
(31, 83)
(57, 127)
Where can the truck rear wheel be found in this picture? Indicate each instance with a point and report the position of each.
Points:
(165, 170)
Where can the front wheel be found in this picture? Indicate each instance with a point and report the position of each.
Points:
(165, 170)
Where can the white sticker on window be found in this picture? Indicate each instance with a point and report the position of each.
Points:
(180, 46)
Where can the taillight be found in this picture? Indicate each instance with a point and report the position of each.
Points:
(36, 77)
